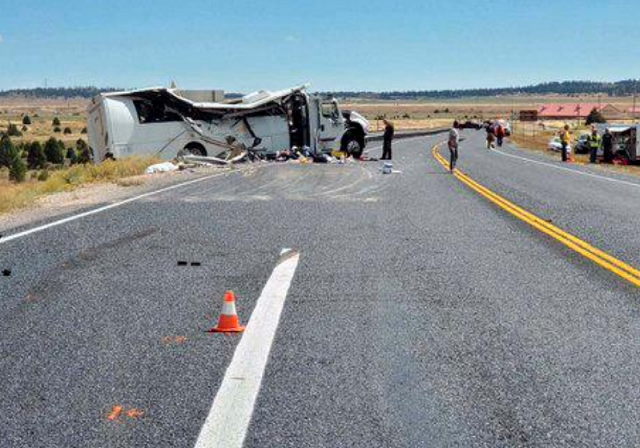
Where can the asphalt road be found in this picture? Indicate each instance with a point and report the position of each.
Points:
(420, 314)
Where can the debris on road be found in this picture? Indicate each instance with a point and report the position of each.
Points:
(161, 168)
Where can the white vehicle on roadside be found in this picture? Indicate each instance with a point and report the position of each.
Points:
(170, 122)
(555, 144)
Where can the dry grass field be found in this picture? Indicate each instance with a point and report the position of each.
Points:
(71, 113)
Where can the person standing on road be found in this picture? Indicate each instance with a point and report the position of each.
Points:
(387, 139)
(490, 136)
(565, 139)
(607, 146)
(595, 141)
(454, 139)
(499, 135)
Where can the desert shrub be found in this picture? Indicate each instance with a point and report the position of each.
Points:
(57, 130)
(26, 120)
(10, 158)
(8, 151)
(43, 175)
(13, 131)
(17, 170)
(35, 156)
(84, 130)
(67, 131)
(53, 151)
(72, 156)
(595, 117)
(83, 151)
(56, 121)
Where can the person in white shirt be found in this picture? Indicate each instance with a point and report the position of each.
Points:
(454, 139)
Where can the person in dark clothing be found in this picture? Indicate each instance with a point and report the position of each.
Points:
(607, 146)
(491, 136)
(388, 137)
(595, 141)
(453, 142)
(500, 135)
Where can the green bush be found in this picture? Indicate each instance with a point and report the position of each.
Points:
(17, 170)
(8, 152)
(57, 130)
(13, 131)
(26, 120)
(10, 158)
(595, 117)
(67, 131)
(56, 121)
(83, 151)
(72, 156)
(43, 175)
(35, 156)
(53, 151)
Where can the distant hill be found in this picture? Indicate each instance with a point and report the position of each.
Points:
(570, 88)
(620, 88)
(56, 92)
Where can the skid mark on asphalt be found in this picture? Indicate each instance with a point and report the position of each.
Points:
(347, 183)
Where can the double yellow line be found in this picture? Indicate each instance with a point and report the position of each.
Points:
(594, 254)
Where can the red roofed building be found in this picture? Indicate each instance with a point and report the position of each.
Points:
(574, 111)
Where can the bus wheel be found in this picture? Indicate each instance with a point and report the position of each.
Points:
(352, 146)
(194, 149)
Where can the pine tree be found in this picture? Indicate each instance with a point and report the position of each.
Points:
(8, 151)
(53, 152)
(10, 158)
(595, 117)
(83, 151)
(72, 156)
(17, 170)
(13, 131)
(35, 156)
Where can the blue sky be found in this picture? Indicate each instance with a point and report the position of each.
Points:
(335, 45)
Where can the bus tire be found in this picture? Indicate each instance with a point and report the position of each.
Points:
(194, 149)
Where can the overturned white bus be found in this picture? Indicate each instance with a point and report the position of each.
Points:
(169, 123)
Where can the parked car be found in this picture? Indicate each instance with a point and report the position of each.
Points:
(582, 145)
(555, 144)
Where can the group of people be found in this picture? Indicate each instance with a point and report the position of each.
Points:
(595, 142)
(495, 134)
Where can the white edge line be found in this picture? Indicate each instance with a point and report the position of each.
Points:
(15, 236)
(230, 415)
(597, 176)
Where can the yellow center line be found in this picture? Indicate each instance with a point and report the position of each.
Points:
(590, 252)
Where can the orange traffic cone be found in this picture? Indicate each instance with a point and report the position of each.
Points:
(228, 322)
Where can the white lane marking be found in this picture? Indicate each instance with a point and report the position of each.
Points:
(15, 236)
(228, 420)
(597, 176)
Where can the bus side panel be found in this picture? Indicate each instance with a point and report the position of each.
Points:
(273, 130)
